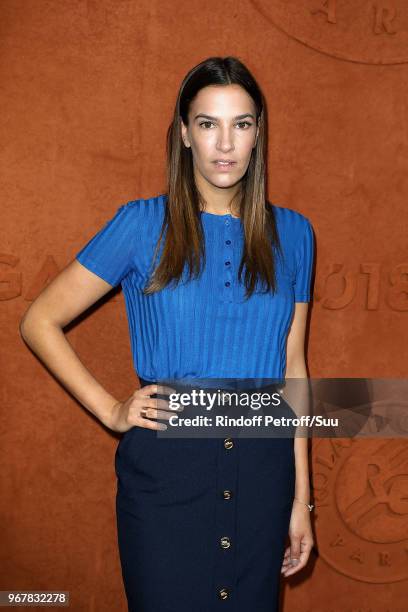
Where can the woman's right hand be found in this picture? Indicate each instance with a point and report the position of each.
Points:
(140, 408)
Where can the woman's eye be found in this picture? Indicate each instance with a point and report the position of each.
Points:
(241, 124)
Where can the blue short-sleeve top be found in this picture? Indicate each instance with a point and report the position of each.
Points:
(203, 327)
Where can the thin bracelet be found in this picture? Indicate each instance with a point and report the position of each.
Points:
(310, 506)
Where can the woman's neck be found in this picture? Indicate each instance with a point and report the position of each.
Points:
(220, 201)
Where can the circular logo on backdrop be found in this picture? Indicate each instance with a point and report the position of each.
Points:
(370, 32)
(361, 495)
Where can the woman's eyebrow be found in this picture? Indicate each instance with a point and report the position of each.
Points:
(215, 118)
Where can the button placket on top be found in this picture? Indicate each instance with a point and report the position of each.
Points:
(225, 525)
(227, 263)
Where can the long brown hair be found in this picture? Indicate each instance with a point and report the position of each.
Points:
(184, 241)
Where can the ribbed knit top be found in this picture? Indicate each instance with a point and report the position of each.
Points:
(202, 328)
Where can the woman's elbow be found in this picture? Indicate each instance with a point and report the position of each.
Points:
(296, 367)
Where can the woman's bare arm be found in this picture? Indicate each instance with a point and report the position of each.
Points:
(296, 368)
(300, 529)
(73, 291)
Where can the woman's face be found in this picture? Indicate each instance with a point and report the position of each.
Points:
(222, 127)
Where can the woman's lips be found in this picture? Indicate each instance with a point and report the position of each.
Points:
(224, 165)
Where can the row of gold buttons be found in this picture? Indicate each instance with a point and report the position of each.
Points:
(225, 541)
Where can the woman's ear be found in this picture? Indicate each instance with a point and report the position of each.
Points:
(256, 136)
(184, 134)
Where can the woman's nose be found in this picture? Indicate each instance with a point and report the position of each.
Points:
(225, 142)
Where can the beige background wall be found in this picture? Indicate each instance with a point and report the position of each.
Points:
(87, 92)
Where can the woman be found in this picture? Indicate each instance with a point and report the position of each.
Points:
(217, 283)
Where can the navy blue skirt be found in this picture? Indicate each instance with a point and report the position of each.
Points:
(202, 522)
